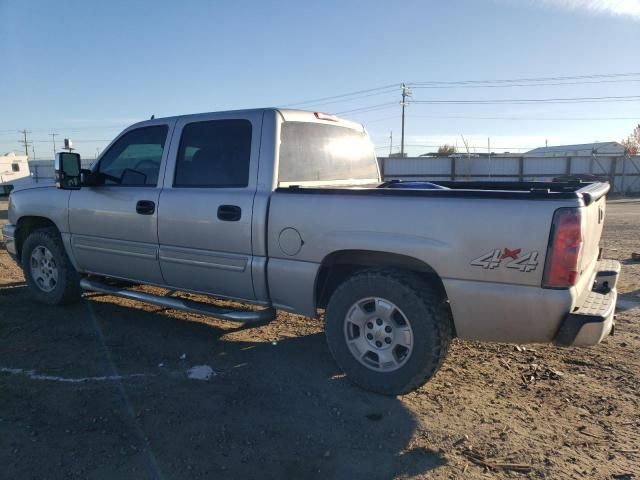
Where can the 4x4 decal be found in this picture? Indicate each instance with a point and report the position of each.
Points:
(507, 258)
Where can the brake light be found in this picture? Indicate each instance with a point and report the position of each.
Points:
(325, 116)
(565, 247)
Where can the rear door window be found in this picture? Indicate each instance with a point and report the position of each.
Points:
(214, 154)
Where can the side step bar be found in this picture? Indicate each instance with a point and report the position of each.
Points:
(242, 316)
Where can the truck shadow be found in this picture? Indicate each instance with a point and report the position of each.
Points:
(275, 408)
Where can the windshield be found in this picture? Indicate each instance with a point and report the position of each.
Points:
(316, 154)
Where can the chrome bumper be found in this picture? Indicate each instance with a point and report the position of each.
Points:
(594, 320)
(9, 239)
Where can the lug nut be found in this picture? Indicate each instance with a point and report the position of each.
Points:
(387, 329)
(379, 321)
(378, 344)
(387, 340)
(369, 336)
(370, 325)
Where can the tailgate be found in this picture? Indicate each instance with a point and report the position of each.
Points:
(593, 214)
(593, 218)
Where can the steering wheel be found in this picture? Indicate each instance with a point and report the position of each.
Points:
(109, 177)
(140, 164)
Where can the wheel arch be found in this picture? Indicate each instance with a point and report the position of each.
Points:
(336, 267)
(27, 224)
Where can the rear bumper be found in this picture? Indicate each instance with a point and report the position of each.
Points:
(594, 319)
(9, 238)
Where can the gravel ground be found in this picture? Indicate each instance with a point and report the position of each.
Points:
(102, 389)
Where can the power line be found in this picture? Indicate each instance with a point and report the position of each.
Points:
(105, 127)
(519, 80)
(516, 101)
(316, 100)
(483, 147)
(350, 99)
(466, 117)
(49, 141)
(73, 129)
(78, 141)
(389, 117)
(527, 84)
(369, 108)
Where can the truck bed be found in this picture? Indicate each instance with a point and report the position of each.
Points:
(587, 192)
(451, 232)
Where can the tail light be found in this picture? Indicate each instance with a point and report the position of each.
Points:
(562, 266)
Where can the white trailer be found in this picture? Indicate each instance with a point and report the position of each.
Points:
(14, 171)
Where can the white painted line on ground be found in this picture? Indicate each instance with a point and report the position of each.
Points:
(198, 372)
(36, 376)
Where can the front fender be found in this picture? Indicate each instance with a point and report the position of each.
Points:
(37, 207)
(45, 202)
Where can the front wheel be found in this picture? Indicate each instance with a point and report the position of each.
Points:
(47, 268)
(388, 330)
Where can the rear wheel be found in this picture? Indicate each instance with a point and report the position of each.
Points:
(388, 330)
(47, 268)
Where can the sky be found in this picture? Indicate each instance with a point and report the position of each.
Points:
(85, 70)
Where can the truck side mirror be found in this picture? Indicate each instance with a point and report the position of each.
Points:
(67, 171)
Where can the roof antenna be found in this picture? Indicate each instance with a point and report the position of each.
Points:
(152, 117)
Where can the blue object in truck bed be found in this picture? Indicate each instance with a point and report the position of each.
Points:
(418, 185)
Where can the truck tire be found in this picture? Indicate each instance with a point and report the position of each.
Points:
(47, 268)
(388, 330)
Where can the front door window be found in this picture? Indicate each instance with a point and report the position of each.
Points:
(134, 160)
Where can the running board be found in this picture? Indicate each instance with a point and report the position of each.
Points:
(242, 316)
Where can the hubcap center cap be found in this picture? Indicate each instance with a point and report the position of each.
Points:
(379, 334)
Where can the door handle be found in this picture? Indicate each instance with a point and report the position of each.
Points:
(145, 207)
(229, 213)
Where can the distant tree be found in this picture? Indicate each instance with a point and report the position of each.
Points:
(632, 142)
(446, 150)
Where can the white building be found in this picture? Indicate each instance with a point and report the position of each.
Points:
(580, 150)
(14, 171)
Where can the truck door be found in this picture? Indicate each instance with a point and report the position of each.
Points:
(114, 230)
(205, 212)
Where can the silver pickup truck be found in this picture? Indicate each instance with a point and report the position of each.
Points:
(285, 209)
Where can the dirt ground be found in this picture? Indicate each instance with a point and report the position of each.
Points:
(102, 390)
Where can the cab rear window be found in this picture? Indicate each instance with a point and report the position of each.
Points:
(314, 153)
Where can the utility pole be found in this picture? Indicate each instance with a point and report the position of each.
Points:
(53, 139)
(489, 151)
(25, 142)
(466, 146)
(390, 143)
(405, 93)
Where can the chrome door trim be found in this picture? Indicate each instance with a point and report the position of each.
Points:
(116, 247)
(204, 258)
